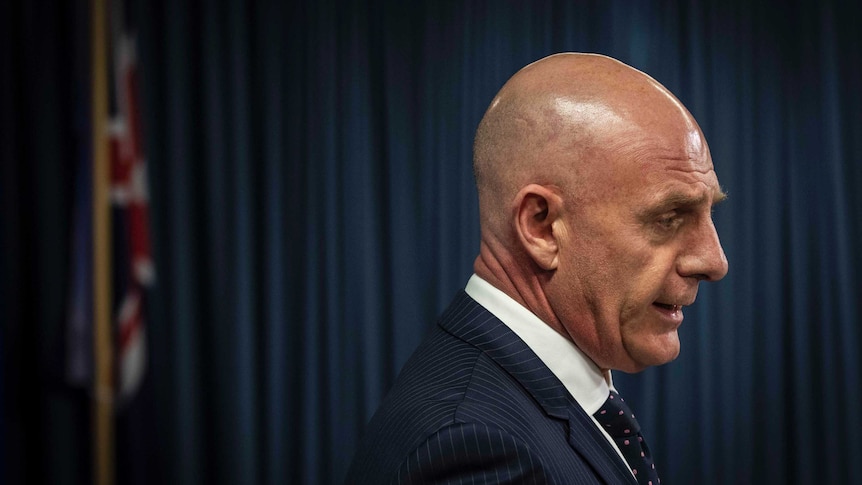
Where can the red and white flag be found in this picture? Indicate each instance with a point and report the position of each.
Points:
(133, 264)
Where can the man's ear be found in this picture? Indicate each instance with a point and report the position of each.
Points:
(536, 209)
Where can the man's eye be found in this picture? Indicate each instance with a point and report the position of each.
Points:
(669, 221)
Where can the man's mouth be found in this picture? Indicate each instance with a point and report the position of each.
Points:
(670, 311)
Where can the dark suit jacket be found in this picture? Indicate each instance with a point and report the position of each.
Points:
(475, 405)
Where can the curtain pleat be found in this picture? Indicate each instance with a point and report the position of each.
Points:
(313, 210)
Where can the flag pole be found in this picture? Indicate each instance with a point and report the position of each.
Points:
(102, 403)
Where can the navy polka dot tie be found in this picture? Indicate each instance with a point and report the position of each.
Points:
(619, 421)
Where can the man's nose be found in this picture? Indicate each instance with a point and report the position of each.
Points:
(703, 258)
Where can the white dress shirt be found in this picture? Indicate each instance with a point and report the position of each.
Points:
(578, 373)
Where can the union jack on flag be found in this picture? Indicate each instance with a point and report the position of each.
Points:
(132, 262)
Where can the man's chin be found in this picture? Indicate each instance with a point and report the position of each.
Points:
(650, 352)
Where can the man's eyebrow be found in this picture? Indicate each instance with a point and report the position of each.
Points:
(681, 200)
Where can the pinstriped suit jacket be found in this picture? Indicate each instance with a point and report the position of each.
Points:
(475, 405)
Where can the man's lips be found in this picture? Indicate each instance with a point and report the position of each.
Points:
(668, 306)
(670, 311)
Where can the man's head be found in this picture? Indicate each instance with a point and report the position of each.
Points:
(596, 188)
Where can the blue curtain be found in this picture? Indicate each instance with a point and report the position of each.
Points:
(313, 210)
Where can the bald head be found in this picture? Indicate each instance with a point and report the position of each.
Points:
(558, 117)
(596, 189)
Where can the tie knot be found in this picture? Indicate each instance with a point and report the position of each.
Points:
(617, 418)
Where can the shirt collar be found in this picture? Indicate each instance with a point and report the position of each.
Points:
(580, 375)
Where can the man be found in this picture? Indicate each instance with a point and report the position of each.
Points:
(596, 188)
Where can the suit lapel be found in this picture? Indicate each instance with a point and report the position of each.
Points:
(586, 439)
(472, 323)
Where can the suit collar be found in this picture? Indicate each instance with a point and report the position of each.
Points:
(578, 373)
(472, 323)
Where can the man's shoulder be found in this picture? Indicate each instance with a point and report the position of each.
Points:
(456, 376)
(423, 400)
(447, 388)
(432, 383)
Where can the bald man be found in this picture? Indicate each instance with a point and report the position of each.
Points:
(596, 188)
